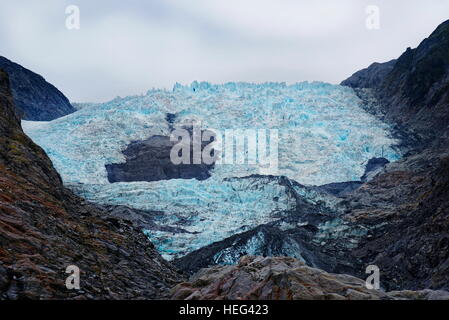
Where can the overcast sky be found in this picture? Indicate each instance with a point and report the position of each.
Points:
(127, 47)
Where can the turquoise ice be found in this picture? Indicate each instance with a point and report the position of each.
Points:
(324, 136)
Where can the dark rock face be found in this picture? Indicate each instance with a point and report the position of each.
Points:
(44, 228)
(407, 203)
(414, 92)
(149, 160)
(370, 77)
(373, 167)
(340, 189)
(407, 207)
(35, 98)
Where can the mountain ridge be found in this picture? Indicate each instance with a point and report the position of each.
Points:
(35, 98)
(414, 89)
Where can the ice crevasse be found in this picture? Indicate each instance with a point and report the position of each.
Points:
(324, 136)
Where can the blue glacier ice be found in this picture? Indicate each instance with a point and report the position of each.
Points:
(324, 136)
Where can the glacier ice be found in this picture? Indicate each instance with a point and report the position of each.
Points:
(324, 136)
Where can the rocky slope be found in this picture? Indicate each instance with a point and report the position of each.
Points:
(282, 278)
(414, 89)
(412, 194)
(370, 77)
(44, 228)
(34, 98)
(407, 209)
(149, 160)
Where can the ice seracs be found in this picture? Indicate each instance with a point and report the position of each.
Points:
(324, 136)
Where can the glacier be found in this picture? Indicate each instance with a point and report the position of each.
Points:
(325, 136)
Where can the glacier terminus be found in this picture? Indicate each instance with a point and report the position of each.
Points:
(325, 136)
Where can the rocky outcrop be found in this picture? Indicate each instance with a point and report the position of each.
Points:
(149, 160)
(371, 77)
(406, 203)
(407, 209)
(44, 228)
(34, 98)
(414, 90)
(282, 278)
(374, 167)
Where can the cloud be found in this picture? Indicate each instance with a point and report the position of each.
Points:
(126, 48)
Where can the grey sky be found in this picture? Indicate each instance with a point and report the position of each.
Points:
(127, 47)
